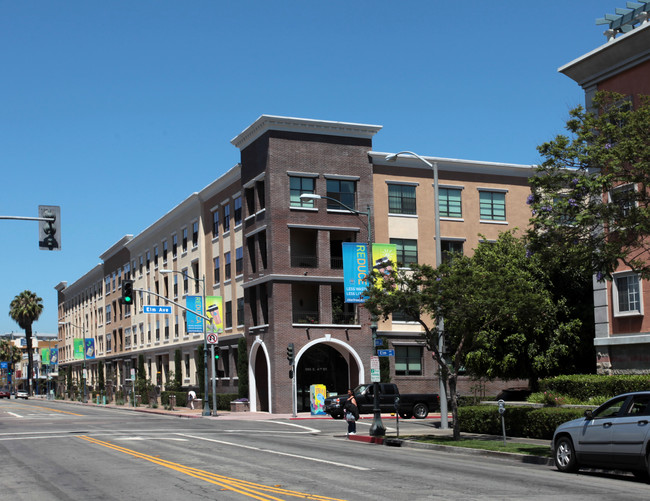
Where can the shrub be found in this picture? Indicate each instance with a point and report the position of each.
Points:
(584, 387)
(520, 421)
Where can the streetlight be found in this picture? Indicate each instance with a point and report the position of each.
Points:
(444, 420)
(206, 405)
(377, 428)
(83, 374)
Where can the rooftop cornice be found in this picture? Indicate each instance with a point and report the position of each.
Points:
(454, 164)
(116, 247)
(618, 54)
(290, 124)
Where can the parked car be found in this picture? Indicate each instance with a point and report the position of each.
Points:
(4, 393)
(410, 404)
(22, 394)
(614, 436)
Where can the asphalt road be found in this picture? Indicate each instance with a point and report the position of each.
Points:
(57, 451)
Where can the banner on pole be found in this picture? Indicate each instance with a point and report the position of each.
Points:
(78, 349)
(195, 305)
(355, 271)
(89, 347)
(384, 259)
(213, 310)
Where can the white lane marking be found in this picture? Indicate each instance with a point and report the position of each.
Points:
(151, 438)
(317, 460)
(14, 414)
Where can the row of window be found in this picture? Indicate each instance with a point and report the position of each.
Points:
(221, 217)
(492, 204)
(337, 189)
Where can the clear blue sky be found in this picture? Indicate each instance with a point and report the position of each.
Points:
(119, 110)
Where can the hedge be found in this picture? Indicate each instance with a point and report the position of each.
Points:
(526, 421)
(223, 399)
(586, 386)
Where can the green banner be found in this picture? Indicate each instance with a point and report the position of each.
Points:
(78, 349)
(45, 356)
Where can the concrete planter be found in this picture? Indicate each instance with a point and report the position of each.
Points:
(239, 406)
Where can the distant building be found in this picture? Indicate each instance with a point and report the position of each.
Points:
(622, 337)
(275, 259)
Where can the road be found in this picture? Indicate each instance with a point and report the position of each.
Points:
(58, 451)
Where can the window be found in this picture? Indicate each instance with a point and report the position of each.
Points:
(237, 211)
(624, 197)
(492, 205)
(407, 250)
(175, 286)
(449, 248)
(185, 283)
(108, 313)
(184, 239)
(450, 203)
(408, 360)
(343, 191)
(155, 256)
(216, 270)
(174, 246)
(226, 218)
(239, 261)
(227, 266)
(401, 199)
(627, 294)
(228, 315)
(298, 186)
(240, 311)
(164, 245)
(215, 224)
(195, 234)
(148, 260)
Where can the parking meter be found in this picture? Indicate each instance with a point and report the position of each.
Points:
(502, 410)
(397, 414)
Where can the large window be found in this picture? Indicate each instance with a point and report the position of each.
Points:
(450, 248)
(401, 199)
(450, 202)
(493, 205)
(298, 186)
(226, 218)
(215, 223)
(343, 191)
(239, 261)
(627, 294)
(408, 360)
(237, 214)
(227, 266)
(407, 250)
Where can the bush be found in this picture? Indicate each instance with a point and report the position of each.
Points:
(584, 387)
(520, 421)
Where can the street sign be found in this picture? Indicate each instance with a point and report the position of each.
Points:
(385, 353)
(157, 309)
(374, 370)
(379, 342)
(212, 338)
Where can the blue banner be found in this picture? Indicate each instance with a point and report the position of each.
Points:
(355, 271)
(54, 356)
(89, 348)
(194, 322)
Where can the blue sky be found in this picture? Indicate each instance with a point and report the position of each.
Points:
(117, 111)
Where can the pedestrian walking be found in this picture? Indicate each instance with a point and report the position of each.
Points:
(191, 396)
(351, 413)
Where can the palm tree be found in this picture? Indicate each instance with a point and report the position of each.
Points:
(25, 309)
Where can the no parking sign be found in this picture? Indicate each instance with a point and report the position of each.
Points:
(213, 338)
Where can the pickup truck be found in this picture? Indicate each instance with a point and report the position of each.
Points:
(410, 404)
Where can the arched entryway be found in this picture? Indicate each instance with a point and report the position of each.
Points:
(326, 364)
(261, 382)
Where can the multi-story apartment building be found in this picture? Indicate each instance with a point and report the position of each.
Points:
(276, 260)
(622, 333)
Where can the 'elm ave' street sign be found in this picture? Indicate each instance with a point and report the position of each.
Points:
(156, 309)
(385, 353)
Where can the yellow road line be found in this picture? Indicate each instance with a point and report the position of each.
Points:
(250, 489)
(50, 409)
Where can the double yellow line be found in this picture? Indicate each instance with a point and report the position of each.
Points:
(250, 489)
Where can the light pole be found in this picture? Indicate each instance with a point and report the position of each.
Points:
(377, 428)
(83, 339)
(440, 326)
(206, 404)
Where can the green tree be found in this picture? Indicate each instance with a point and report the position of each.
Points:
(9, 352)
(590, 197)
(200, 369)
(101, 380)
(25, 309)
(500, 319)
(242, 368)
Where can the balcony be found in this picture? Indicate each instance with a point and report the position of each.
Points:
(304, 261)
(306, 317)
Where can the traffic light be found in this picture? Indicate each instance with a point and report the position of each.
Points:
(49, 232)
(127, 292)
(290, 354)
(217, 353)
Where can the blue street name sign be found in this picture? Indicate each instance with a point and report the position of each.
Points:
(386, 353)
(157, 309)
(379, 342)
(4, 365)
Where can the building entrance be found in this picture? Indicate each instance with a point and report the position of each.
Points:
(321, 364)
